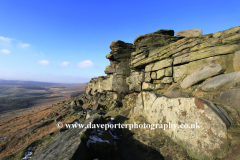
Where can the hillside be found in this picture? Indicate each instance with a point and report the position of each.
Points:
(17, 96)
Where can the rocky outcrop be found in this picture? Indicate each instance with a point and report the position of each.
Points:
(208, 122)
(192, 65)
(117, 71)
(162, 58)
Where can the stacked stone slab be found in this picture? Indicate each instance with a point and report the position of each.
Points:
(176, 59)
(146, 45)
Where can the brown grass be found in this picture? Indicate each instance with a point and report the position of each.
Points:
(14, 128)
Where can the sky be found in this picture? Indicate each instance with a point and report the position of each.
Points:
(66, 41)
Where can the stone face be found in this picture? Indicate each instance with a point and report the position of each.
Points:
(159, 65)
(148, 86)
(160, 74)
(236, 61)
(231, 98)
(147, 76)
(190, 33)
(225, 80)
(135, 81)
(153, 75)
(206, 71)
(119, 84)
(123, 68)
(168, 72)
(167, 80)
(162, 64)
(181, 111)
(110, 69)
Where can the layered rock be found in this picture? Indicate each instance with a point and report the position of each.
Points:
(161, 58)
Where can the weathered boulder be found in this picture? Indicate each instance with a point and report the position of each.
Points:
(203, 121)
(236, 60)
(231, 98)
(225, 80)
(206, 71)
(190, 33)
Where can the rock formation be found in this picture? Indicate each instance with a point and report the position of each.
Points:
(158, 60)
(191, 79)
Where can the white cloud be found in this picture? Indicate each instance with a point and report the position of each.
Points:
(6, 40)
(23, 45)
(85, 64)
(44, 62)
(5, 51)
(64, 63)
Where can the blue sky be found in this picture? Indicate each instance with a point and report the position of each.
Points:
(67, 41)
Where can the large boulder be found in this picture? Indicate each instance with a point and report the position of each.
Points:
(224, 80)
(205, 132)
(206, 71)
(190, 33)
(231, 98)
